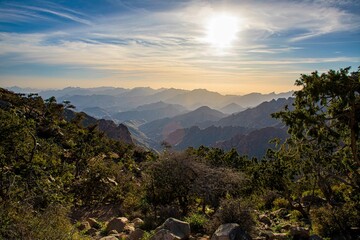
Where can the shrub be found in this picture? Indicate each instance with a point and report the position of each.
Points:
(197, 222)
(335, 221)
(280, 203)
(266, 200)
(232, 211)
(21, 222)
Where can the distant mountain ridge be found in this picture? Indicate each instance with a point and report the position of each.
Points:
(150, 112)
(255, 143)
(120, 99)
(181, 139)
(182, 118)
(259, 116)
(160, 129)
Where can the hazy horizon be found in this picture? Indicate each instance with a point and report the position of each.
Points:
(230, 47)
(156, 89)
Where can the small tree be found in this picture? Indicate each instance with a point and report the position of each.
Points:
(322, 150)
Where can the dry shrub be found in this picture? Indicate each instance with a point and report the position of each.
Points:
(21, 222)
(336, 221)
(232, 211)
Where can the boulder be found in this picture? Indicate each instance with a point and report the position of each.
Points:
(230, 231)
(129, 228)
(179, 228)
(164, 234)
(137, 234)
(93, 223)
(137, 222)
(117, 224)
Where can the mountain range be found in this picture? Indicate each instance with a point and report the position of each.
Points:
(121, 99)
(182, 118)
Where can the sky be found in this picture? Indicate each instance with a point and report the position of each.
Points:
(232, 47)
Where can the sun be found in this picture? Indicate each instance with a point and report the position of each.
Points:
(222, 30)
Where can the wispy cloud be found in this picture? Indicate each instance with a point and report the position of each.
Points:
(12, 12)
(168, 43)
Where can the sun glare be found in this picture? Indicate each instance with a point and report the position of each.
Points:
(222, 30)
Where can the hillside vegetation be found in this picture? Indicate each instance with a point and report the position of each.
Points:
(57, 171)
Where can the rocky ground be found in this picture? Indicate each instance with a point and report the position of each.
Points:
(270, 225)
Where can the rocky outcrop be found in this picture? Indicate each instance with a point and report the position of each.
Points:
(117, 224)
(137, 222)
(118, 132)
(137, 234)
(164, 234)
(176, 227)
(230, 231)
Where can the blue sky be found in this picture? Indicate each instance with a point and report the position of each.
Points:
(89, 43)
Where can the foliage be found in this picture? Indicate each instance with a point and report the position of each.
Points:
(181, 179)
(336, 221)
(233, 211)
(22, 222)
(50, 164)
(47, 163)
(280, 203)
(197, 222)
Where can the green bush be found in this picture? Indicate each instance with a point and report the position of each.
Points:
(280, 203)
(22, 222)
(197, 222)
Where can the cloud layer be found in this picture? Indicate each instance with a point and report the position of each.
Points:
(133, 43)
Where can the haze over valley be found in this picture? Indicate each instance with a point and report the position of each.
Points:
(181, 118)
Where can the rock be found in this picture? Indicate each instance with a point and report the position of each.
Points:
(93, 223)
(92, 232)
(178, 228)
(84, 226)
(113, 232)
(129, 228)
(109, 238)
(117, 224)
(299, 233)
(265, 219)
(164, 234)
(137, 234)
(137, 222)
(230, 231)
